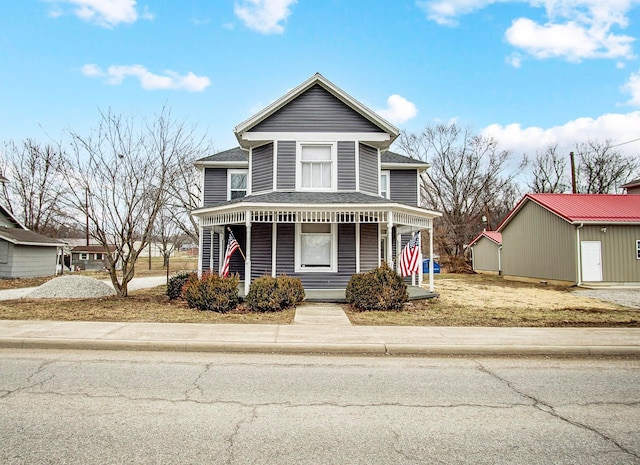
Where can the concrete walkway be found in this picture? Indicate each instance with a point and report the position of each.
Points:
(318, 329)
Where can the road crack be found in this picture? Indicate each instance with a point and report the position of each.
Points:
(550, 410)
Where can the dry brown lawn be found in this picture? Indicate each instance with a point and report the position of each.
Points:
(465, 300)
(481, 300)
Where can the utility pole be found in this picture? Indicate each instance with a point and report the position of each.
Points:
(574, 189)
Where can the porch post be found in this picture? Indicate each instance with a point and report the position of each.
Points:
(421, 258)
(200, 248)
(389, 244)
(211, 251)
(274, 244)
(221, 250)
(431, 287)
(357, 225)
(247, 254)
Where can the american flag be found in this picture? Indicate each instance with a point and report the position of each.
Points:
(410, 257)
(232, 246)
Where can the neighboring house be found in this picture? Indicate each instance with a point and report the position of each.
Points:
(485, 252)
(573, 239)
(89, 257)
(632, 187)
(24, 253)
(312, 191)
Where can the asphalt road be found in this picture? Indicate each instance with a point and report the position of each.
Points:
(154, 408)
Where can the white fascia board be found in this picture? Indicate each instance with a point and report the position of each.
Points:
(405, 166)
(605, 222)
(317, 136)
(222, 164)
(242, 206)
(331, 88)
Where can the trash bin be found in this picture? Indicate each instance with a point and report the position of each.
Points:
(425, 267)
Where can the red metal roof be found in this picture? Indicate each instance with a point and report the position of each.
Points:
(587, 208)
(491, 235)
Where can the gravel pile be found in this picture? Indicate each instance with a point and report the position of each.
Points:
(72, 287)
(627, 297)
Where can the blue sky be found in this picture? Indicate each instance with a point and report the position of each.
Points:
(530, 72)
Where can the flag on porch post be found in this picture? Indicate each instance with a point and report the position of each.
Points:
(410, 257)
(232, 246)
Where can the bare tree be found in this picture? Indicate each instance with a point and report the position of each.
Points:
(549, 172)
(602, 169)
(34, 186)
(465, 181)
(120, 175)
(168, 234)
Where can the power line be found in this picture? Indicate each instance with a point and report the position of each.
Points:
(627, 142)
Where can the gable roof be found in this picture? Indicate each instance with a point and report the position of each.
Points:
(389, 159)
(584, 208)
(317, 79)
(634, 183)
(493, 236)
(20, 236)
(235, 156)
(12, 219)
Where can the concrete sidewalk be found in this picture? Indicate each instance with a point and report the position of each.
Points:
(319, 329)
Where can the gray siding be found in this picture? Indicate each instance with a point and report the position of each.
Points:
(237, 262)
(285, 261)
(262, 168)
(286, 165)
(368, 246)
(618, 249)
(316, 110)
(485, 255)
(403, 186)
(215, 186)
(206, 251)
(25, 261)
(538, 244)
(260, 250)
(215, 250)
(369, 172)
(346, 166)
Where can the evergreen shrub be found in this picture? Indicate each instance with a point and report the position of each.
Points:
(378, 289)
(212, 292)
(176, 283)
(269, 294)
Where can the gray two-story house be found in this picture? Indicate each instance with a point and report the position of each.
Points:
(312, 192)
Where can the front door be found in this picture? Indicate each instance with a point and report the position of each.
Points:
(591, 261)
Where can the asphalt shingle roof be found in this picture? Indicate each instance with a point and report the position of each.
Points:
(393, 157)
(26, 237)
(234, 154)
(310, 198)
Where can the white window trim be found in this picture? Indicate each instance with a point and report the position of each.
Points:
(334, 252)
(386, 173)
(83, 256)
(334, 165)
(638, 250)
(231, 172)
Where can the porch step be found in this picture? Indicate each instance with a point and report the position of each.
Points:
(321, 314)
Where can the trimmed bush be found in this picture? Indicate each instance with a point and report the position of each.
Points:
(378, 289)
(211, 292)
(176, 283)
(269, 294)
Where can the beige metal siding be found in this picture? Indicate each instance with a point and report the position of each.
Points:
(539, 244)
(485, 255)
(618, 248)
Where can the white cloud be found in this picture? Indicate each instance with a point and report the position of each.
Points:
(445, 12)
(115, 74)
(398, 110)
(617, 127)
(574, 30)
(106, 13)
(632, 86)
(264, 16)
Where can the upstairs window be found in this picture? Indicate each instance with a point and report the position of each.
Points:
(384, 184)
(237, 182)
(316, 167)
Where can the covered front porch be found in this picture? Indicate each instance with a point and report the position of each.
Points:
(365, 231)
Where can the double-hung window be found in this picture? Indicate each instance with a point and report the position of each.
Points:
(384, 184)
(316, 166)
(316, 247)
(84, 256)
(638, 250)
(237, 182)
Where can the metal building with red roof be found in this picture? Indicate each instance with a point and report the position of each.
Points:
(573, 239)
(485, 252)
